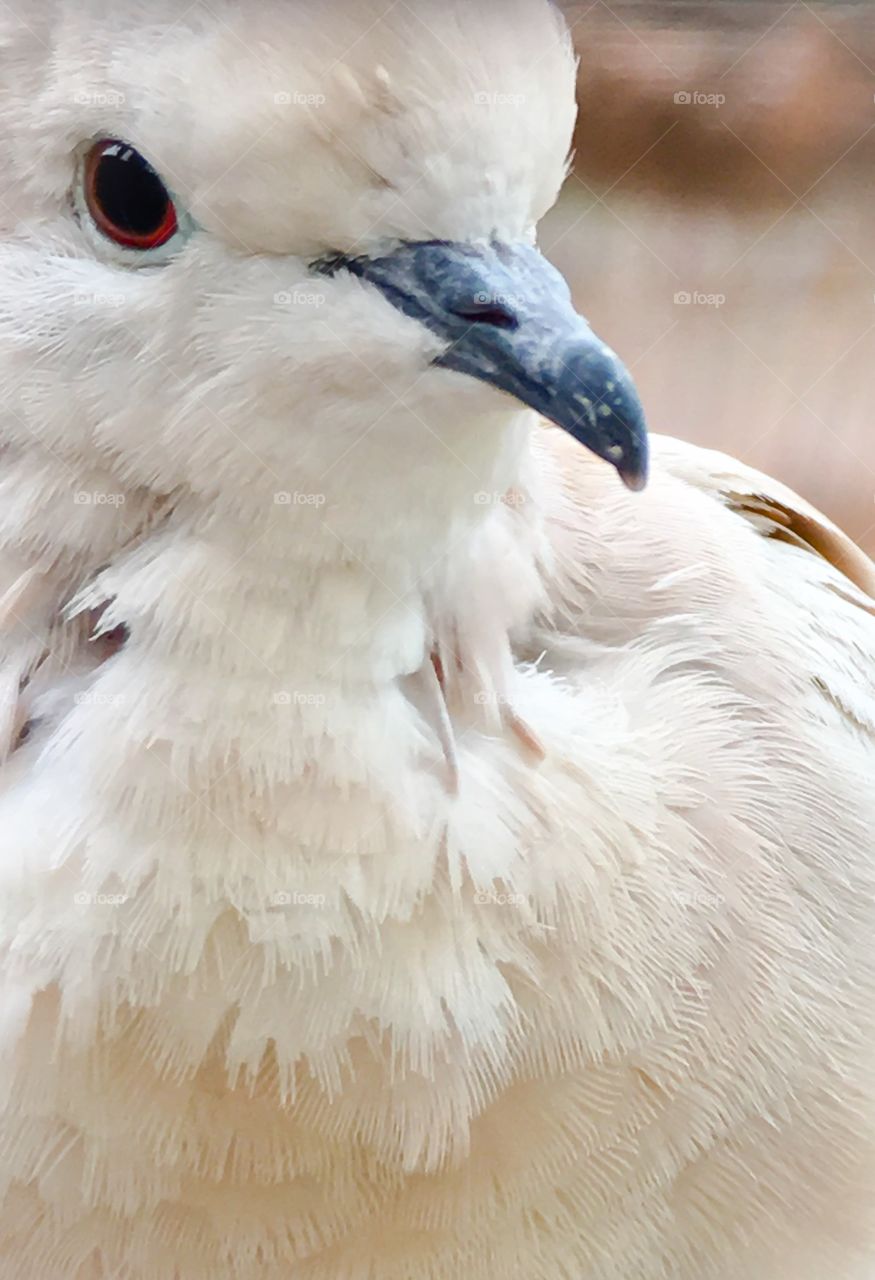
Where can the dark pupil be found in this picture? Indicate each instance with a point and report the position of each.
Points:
(130, 193)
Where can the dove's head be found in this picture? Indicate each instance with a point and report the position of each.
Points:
(289, 249)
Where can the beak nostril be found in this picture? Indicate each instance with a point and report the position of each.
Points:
(492, 313)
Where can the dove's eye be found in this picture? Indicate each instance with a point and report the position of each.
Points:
(127, 201)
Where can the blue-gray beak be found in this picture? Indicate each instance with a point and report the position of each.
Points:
(507, 317)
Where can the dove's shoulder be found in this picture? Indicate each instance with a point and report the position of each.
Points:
(720, 561)
(774, 510)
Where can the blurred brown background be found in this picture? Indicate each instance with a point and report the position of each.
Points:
(718, 228)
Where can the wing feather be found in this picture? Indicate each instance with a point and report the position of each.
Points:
(774, 510)
(744, 574)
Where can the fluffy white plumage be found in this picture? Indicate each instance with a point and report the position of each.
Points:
(279, 999)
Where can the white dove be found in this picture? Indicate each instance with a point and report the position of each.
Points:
(423, 858)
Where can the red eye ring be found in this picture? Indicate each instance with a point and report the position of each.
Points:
(125, 197)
